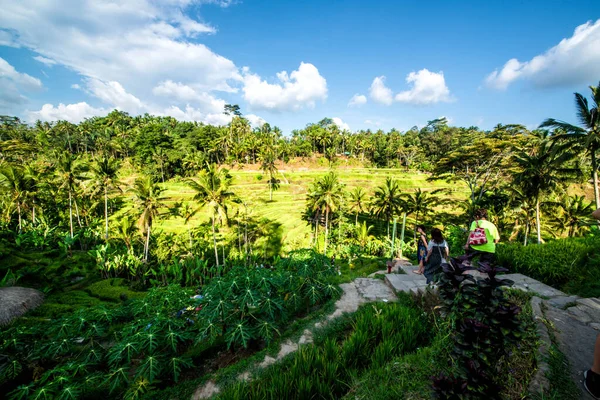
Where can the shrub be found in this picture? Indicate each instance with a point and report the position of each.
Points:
(556, 263)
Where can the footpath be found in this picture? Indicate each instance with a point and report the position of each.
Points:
(572, 322)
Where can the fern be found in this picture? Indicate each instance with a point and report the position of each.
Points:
(23, 392)
(267, 331)
(69, 393)
(140, 388)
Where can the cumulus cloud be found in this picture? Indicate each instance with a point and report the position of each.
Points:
(114, 94)
(379, 92)
(116, 45)
(427, 88)
(255, 120)
(574, 60)
(302, 88)
(357, 100)
(341, 124)
(12, 83)
(74, 113)
(185, 93)
(48, 62)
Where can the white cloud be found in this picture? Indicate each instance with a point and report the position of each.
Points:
(371, 122)
(12, 83)
(427, 88)
(74, 113)
(185, 93)
(357, 100)
(114, 94)
(48, 62)
(75, 86)
(135, 44)
(302, 88)
(379, 92)
(341, 124)
(574, 60)
(255, 120)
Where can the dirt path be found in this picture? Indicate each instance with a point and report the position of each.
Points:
(361, 290)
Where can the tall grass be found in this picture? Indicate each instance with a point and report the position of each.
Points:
(377, 334)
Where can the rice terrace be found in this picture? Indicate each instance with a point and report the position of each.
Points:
(219, 199)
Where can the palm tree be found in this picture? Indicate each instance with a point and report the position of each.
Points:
(268, 167)
(18, 185)
(542, 171)
(212, 191)
(524, 210)
(147, 193)
(328, 194)
(363, 233)
(69, 171)
(573, 214)
(420, 203)
(387, 201)
(187, 213)
(358, 199)
(587, 136)
(104, 171)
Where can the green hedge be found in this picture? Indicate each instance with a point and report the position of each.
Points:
(568, 264)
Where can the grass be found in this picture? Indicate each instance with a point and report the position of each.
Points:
(290, 200)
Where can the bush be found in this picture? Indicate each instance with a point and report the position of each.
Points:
(114, 289)
(567, 264)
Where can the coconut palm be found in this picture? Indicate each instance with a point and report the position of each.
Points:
(69, 170)
(212, 191)
(387, 201)
(148, 196)
(358, 200)
(587, 135)
(420, 204)
(18, 185)
(269, 168)
(573, 214)
(104, 172)
(541, 172)
(328, 195)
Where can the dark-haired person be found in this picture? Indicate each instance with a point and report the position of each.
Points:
(437, 253)
(487, 251)
(421, 249)
(591, 377)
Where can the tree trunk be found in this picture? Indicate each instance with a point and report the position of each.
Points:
(537, 220)
(326, 228)
(106, 211)
(356, 219)
(190, 235)
(317, 222)
(33, 214)
(19, 213)
(71, 213)
(271, 189)
(77, 212)
(526, 232)
(147, 245)
(215, 241)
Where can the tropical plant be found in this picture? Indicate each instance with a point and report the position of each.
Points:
(587, 136)
(358, 200)
(421, 203)
(104, 171)
(69, 171)
(212, 191)
(269, 168)
(387, 201)
(327, 194)
(542, 171)
(573, 214)
(148, 196)
(19, 185)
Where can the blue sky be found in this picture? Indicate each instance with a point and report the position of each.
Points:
(477, 63)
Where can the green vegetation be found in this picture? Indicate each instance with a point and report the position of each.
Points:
(378, 333)
(121, 219)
